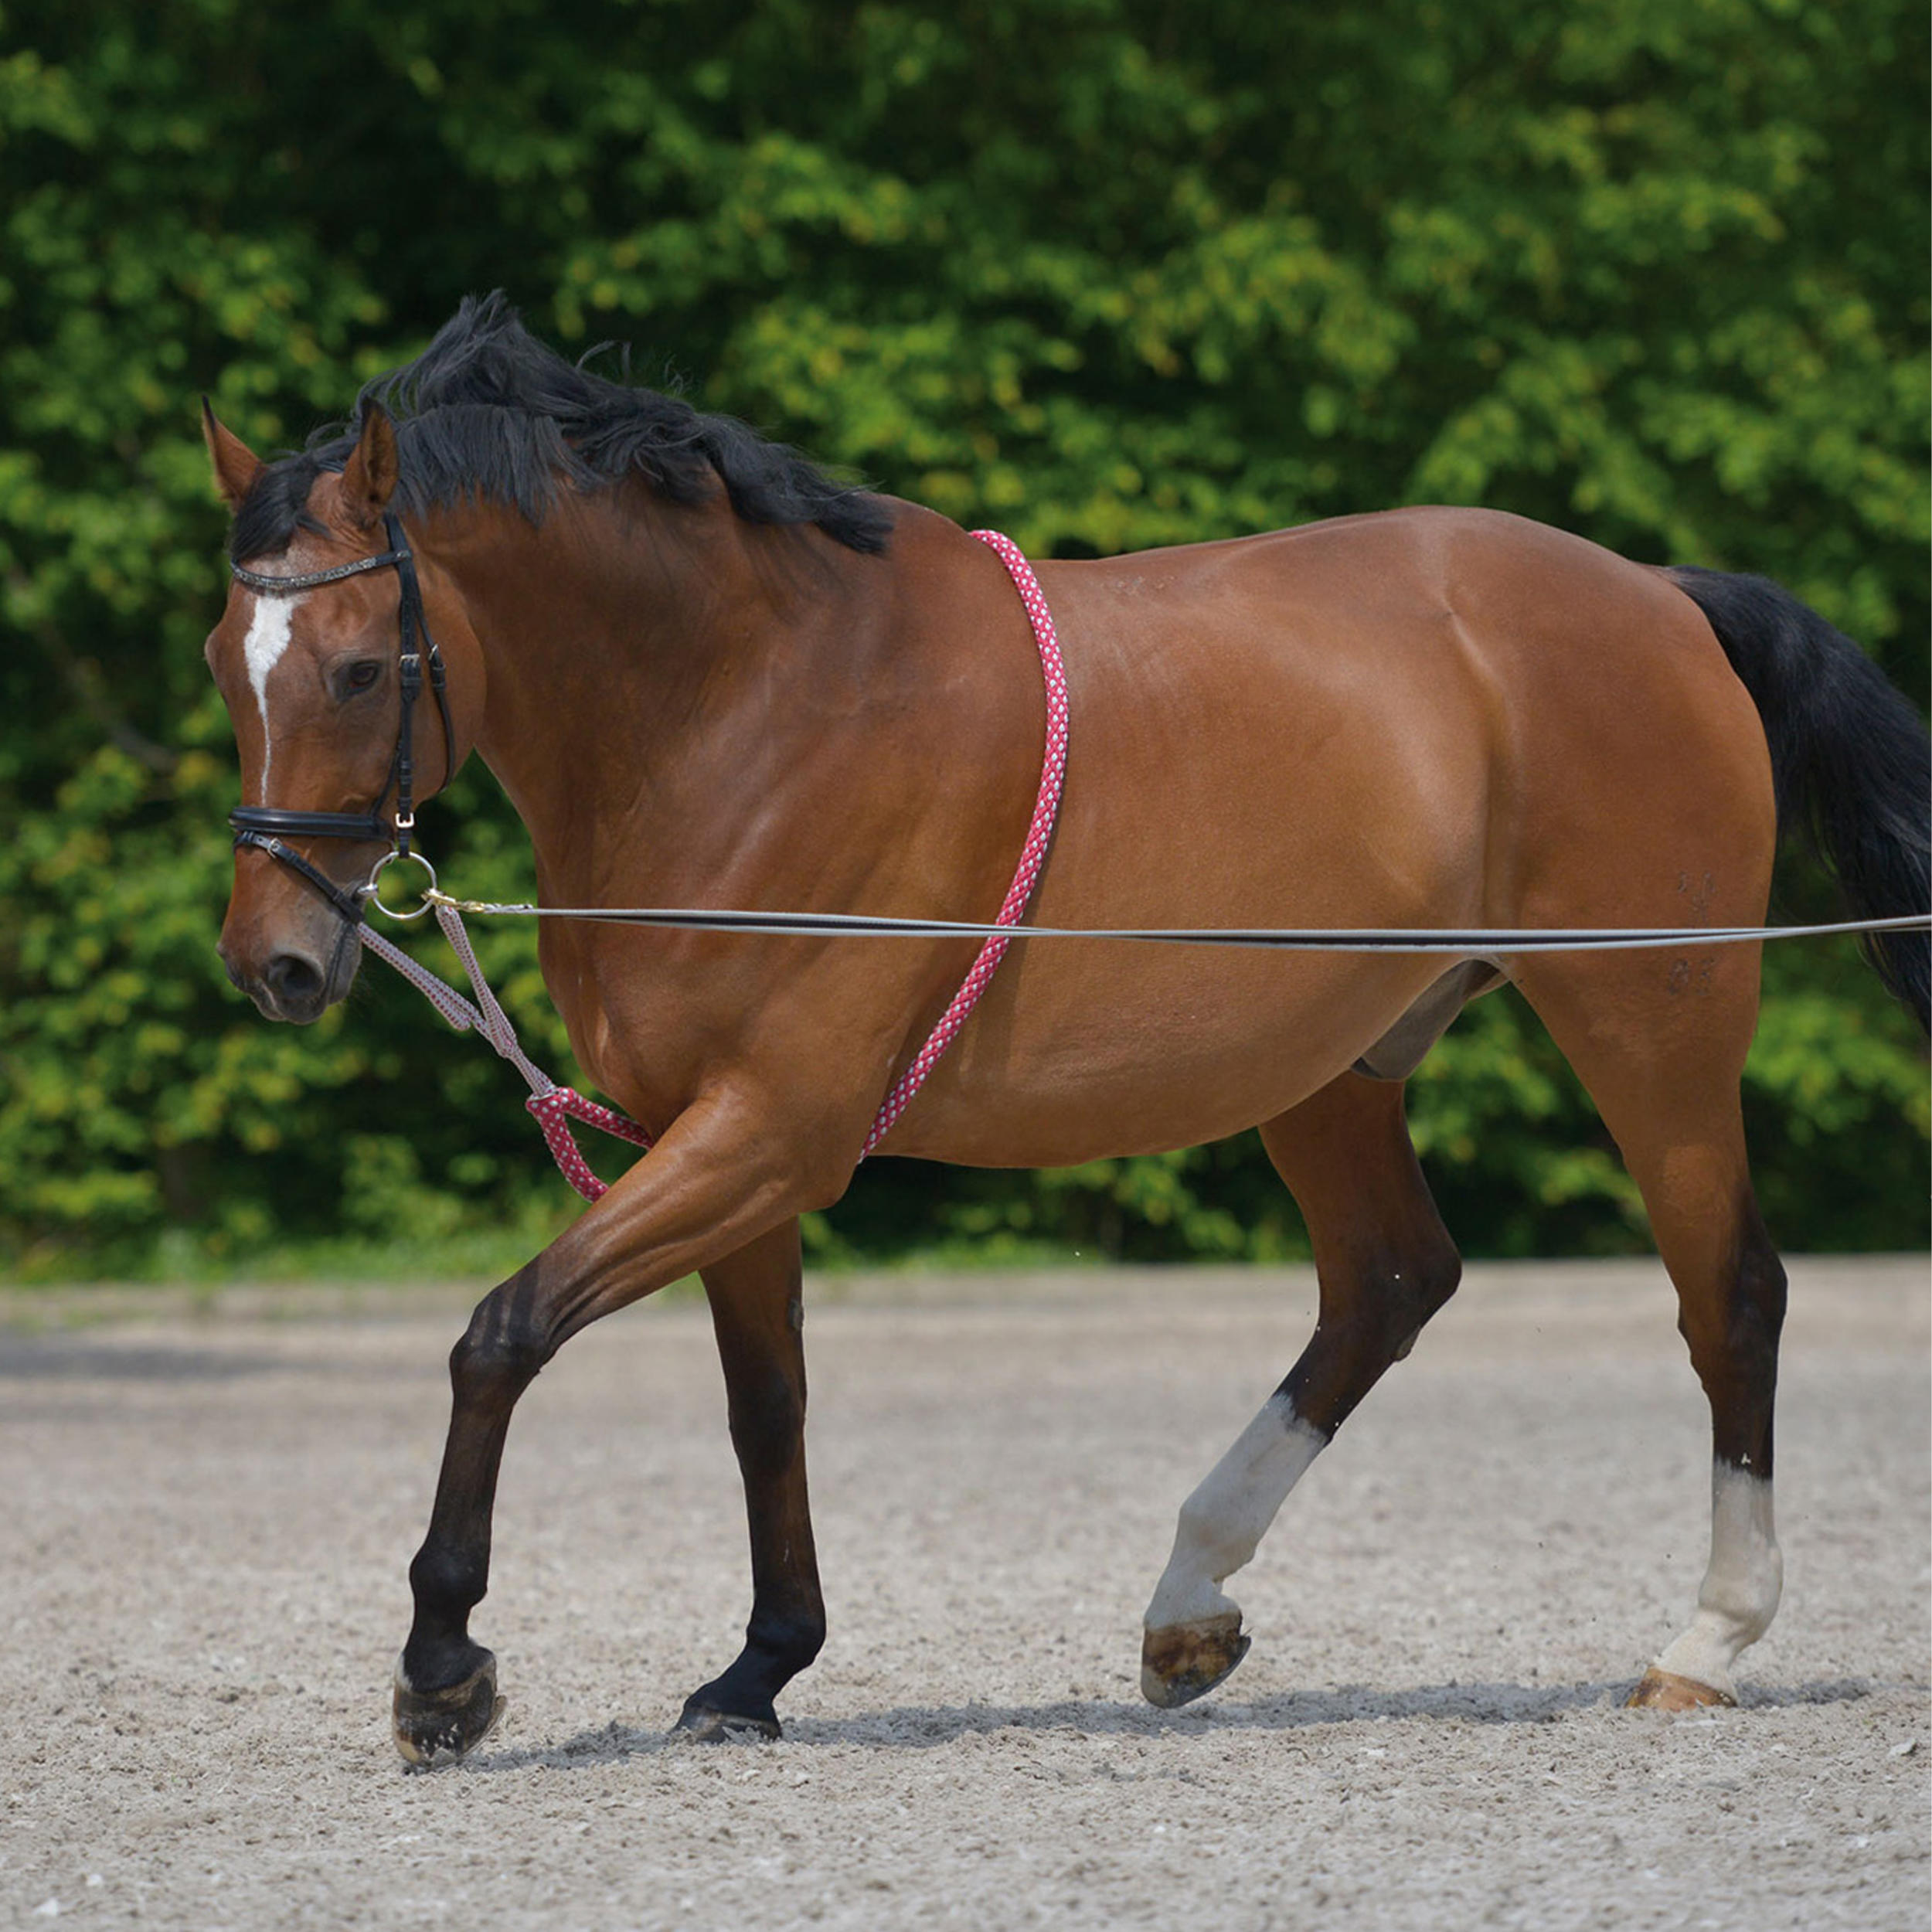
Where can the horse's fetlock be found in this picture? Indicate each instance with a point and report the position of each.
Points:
(793, 1637)
(451, 1581)
(1200, 1528)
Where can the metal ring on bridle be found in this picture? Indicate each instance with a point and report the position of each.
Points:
(373, 892)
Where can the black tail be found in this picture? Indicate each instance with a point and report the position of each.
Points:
(1850, 759)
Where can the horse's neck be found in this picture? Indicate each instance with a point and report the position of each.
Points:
(646, 663)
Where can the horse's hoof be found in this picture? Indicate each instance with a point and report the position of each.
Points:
(704, 1725)
(439, 1727)
(1664, 1690)
(1186, 1660)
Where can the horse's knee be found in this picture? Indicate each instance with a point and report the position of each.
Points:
(503, 1347)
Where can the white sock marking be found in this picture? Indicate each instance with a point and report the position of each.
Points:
(1741, 1586)
(1222, 1523)
(268, 630)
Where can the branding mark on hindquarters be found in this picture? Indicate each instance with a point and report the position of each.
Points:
(1699, 892)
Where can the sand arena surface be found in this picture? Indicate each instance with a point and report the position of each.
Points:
(206, 1521)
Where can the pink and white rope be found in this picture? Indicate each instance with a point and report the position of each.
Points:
(1033, 854)
(554, 1106)
(551, 1104)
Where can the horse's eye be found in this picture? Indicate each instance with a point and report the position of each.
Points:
(362, 676)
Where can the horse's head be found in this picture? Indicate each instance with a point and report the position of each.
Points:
(315, 682)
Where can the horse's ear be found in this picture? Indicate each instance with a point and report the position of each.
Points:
(236, 466)
(369, 476)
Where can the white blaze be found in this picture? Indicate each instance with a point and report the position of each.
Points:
(1223, 1522)
(267, 638)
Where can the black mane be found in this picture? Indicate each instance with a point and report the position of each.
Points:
(489, 412)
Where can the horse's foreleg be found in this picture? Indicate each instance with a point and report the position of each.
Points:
(1385, 1264)
(758, 1311)
(445, 1696)
(717, 1181)
(1667, 1090)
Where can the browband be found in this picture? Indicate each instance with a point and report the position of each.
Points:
(310, 579)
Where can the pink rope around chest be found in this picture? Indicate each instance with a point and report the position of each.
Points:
(554, 1107)
(1033, 854)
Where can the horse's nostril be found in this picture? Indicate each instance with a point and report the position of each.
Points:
(293, 978)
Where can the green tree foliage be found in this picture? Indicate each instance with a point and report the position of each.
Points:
(1105, 273)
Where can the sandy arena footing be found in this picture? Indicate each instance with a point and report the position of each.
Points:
(205, 1518)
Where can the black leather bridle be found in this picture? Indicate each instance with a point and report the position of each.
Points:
(261, 826)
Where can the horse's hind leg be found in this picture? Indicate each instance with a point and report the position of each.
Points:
(1386, 1264)
(1661, 1043)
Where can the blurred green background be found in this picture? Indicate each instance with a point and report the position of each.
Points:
(1105, 274)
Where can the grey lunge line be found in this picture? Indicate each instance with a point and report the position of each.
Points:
(1477, 939)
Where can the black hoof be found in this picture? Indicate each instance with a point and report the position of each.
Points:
(439, 1727)
(704, 1726)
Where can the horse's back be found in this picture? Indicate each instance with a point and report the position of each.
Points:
(1427, 692)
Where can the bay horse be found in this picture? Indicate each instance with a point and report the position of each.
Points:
(707, 674)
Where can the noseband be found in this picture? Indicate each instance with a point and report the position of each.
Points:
(261, 826)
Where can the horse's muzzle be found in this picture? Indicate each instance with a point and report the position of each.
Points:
(294, 984)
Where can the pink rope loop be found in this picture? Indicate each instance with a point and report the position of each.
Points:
(1033, 854)
(552, 1108)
